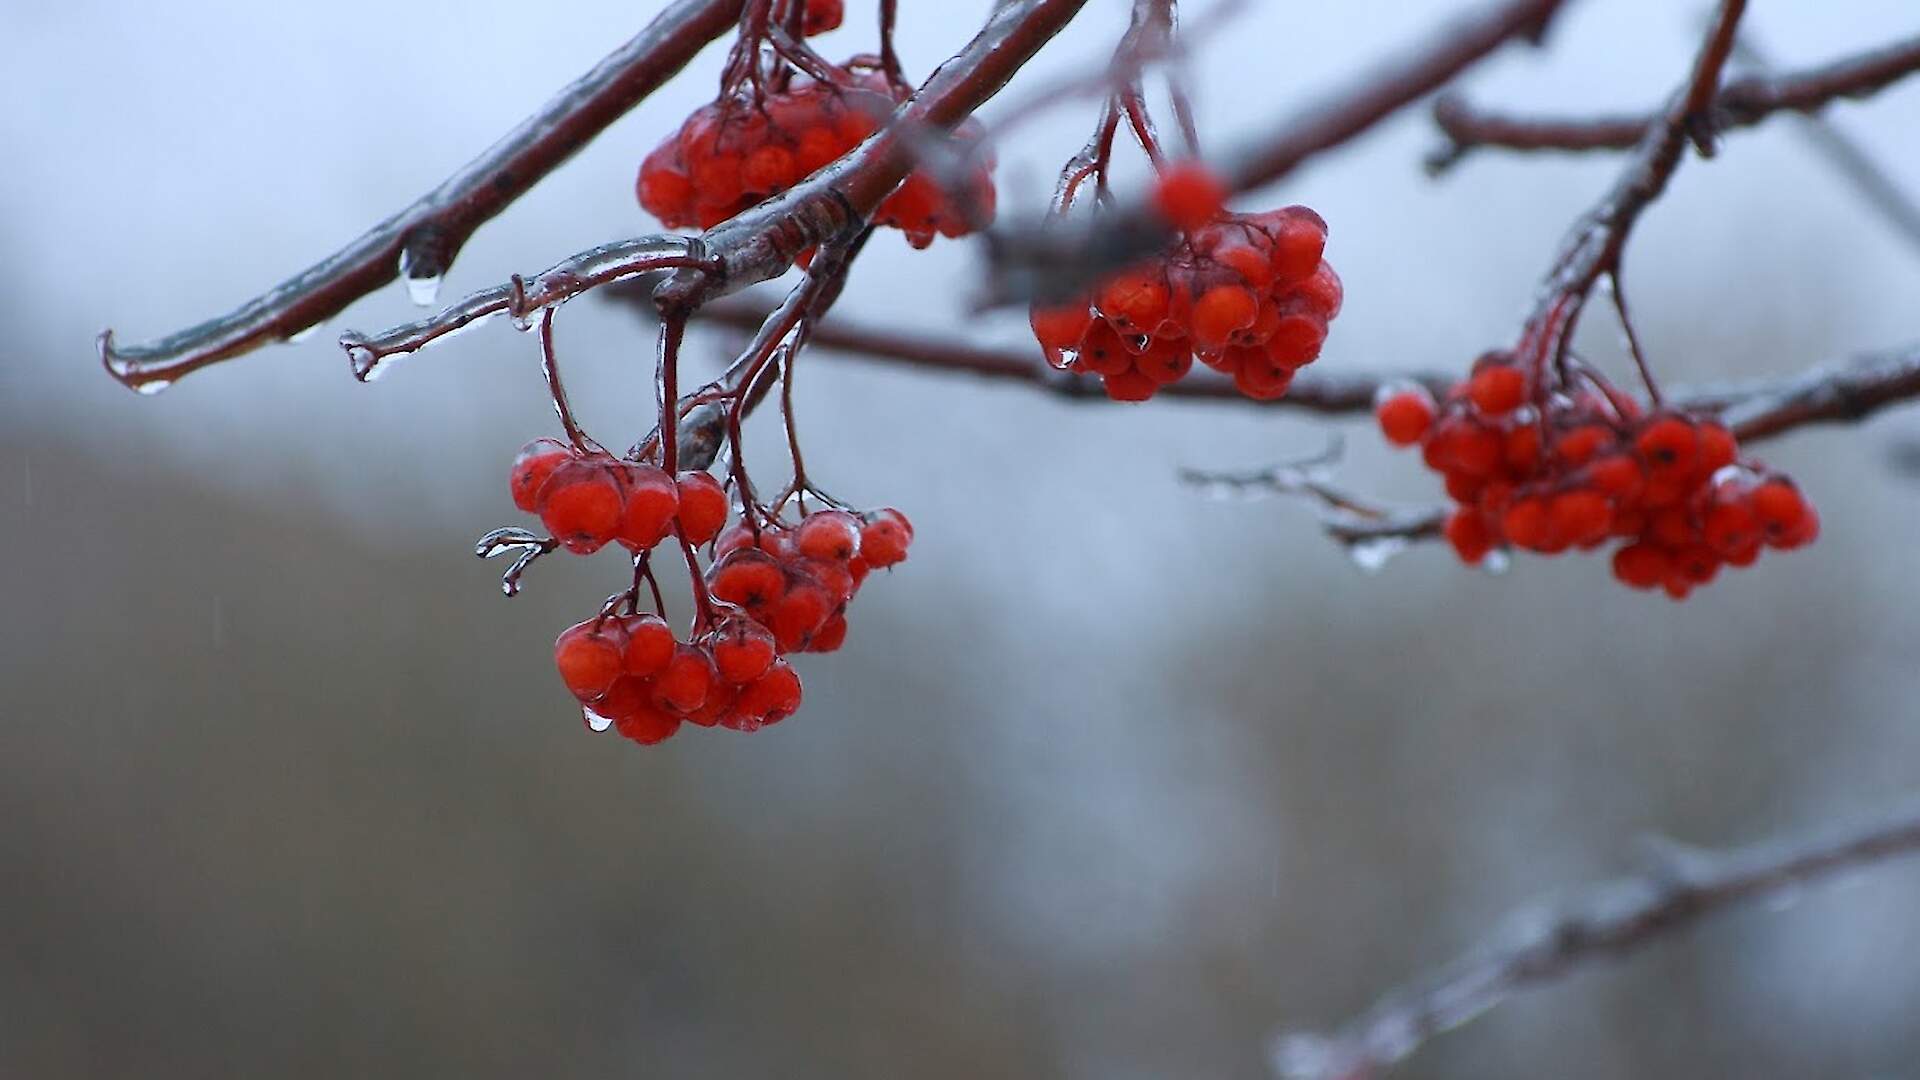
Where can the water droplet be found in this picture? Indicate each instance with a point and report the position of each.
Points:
(1373, 553)
(422, 288)
(1497, 562)
(367, 365)
(595, 722)
(147, 386)
(299, 336)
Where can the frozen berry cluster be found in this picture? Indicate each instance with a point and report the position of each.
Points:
(738, 151)
(772, 589)
(1248, 294)
(589, 500)
(1562, 471)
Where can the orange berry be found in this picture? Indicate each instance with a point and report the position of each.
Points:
(1498, 389)
(1405, 415)
(1189, 195)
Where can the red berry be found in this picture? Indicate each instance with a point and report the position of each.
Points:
(822, 16)
(1404, 415)
(1469, 535)
(1189, 195)
(650, 644)
(772, 697)
(682, 686)
(884, 538)
(828, 534)
(831, 635)
(749, 578)
(742, 650)
(1668, 445)
(580, 505)
(588, 655)
(1498, 389)
(651, 502)
(703, 507)
(1220, 311)
(1299, 239)
(531, 467)
(1642, 566)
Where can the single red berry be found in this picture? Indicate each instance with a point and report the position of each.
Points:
(1779, 508)
(742, 650)
(1136, 301)
(1668, 445)
(650, 644)
(580, 505)
(647, 725)
(588, 655)
(831, 635)
(1130, 385)
(1580, 516)
(531, 467)
(651, 502)
(1642, 566)
(1061, 327)
(798, 613)
(1729, 526)
(772, 697)
(748, 578)
(1220, 311)
(828, 534)
(1189, 195)
(1526, 524)
(1405, 414)
(1263, 380)
(1497, 389)
(1469, 535)
(1718, 448)
(703, 506)
(1299, 240)
(682, 686)
(885, 537)
(822, 16)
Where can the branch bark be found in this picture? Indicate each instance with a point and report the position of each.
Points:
(425, 237)
(1546, 941)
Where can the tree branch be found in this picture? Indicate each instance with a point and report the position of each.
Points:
(1545, 941)
(1742, 102)
(424, 238)
(830, 206)
(1029, 262)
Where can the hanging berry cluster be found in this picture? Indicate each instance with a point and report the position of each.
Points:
(750, 145)
(771, 590)
(1248, 294)
(1554, 471)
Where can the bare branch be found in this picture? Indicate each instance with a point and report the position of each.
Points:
(1545, 941)
(1030, 262)
(423, 239)
(1757, 409)
(1743, 102)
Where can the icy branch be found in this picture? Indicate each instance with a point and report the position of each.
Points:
(1545, 941)
(422, 240)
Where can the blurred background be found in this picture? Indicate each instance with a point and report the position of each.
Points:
(1110, 780)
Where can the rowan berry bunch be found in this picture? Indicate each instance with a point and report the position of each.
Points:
(1550, 470)
(751, 144)
(1250, 295)
(771, 589)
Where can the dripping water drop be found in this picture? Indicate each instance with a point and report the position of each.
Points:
(595, 722)
(1372, 553)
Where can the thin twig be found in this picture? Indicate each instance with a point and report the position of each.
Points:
(1545, 941)
(427, 235)
(1742, 102)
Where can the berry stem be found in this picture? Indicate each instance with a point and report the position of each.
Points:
(1618, 291)
(550, 369)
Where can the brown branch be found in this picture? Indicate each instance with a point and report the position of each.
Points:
(1742, 102)
(1595, 246)
(830, 206)
(425, 237)
(1029, 262)
(1545, 941)
(1757, 409)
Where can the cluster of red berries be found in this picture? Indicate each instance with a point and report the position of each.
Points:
(590, 499)
(1576, 471)
(773, 589)
(736, 152)
(794, 582)
(631, 672)
(1249, 294)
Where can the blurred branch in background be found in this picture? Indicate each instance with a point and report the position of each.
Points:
(1546, 941)
(1742, 102)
